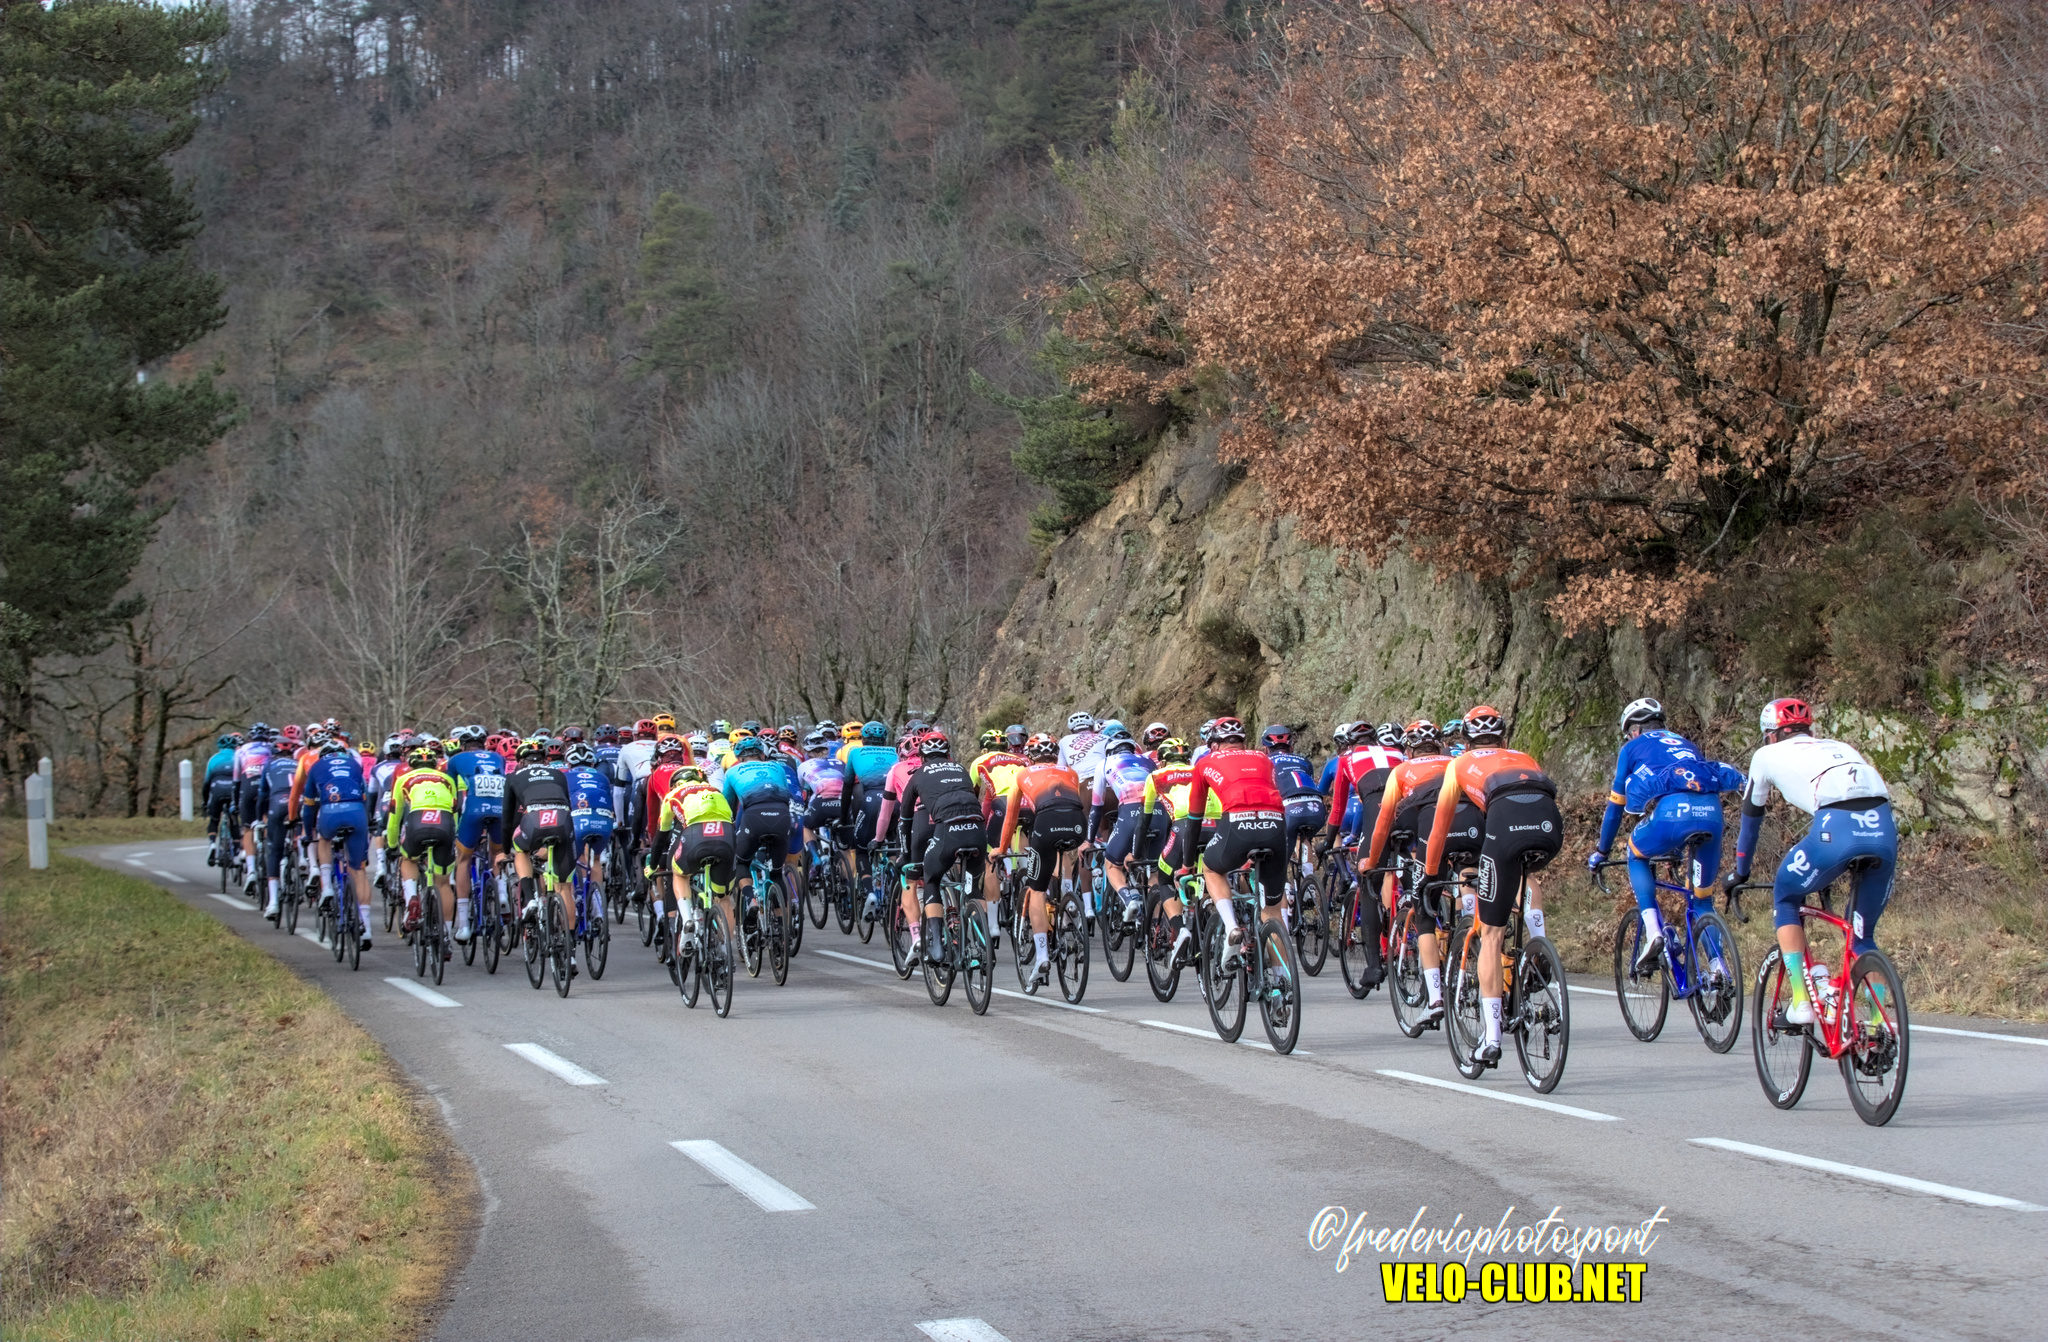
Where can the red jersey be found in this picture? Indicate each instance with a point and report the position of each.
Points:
(657, 787)
(1354, 767)
(1242, 780)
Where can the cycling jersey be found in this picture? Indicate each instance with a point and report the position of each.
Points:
(1810, 772)
(694, 804)
(647, 795)
(329, 780)
(941, 791)
(1169, 785)
(892, 792)
(1293, 774)
(427, 794)
(1042, 787)
(1403, 779)
(274, 788)
(869, 765)
(822, 779)
(220, 769)
(590, 800)
(1655, 764)
(535, 787)
(1853, 825)
(250, 760)
(1361, 773)
(1122, 777)
(479, 778)
(1479, 775)
(1082, 752)
(757, 783)
(1241, 780)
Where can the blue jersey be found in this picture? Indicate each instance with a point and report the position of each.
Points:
(1294, 775)
(822, 779)
(756, 782)
(870, 764)
(1655, 764)
(275, 789)
(607, 763)
(1329, 775)
(220, 767)
(590, 799)
(334, 780)
(479, 777)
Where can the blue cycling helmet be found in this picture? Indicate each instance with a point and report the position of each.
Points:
(1113, 729)
(749, 745)
(229, 740)
(877, 732)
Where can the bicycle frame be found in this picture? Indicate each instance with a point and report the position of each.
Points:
(1678, 962)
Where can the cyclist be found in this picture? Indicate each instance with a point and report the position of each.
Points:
(759, 790)
(1852, 825)
(869, 762)
(591, 819)
(250, 759)
(537, 817)
(1360, 778)
(1340, 741)
(479, 777)
(1666, 780)
(421, 829)
(670, 754)
(1410, 784)
(1149, 739)
(1081, 747)
(629, 774)
(1167, 787)
(220, 795)
(276, 790)
(703, 816)
(1252, 819)
(945, 823)
(1047, 802)
(721, 743)
(334, 783)
(1300, 800)
(377, 774)
(822, 780)
(1523, 830)
(1123, 776)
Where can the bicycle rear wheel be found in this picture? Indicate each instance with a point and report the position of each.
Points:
(1716, 999)
(938, 960)
(1878, 1035)
(842, 899)
(1542, 1012)
(1784, 1056)
(1222, 989)
(1311, 925)
(561, 942)
(536, 965)
(290, 919)
(1162, 966)
(1408, 994)
(1119, 941)
(486, 931)
(818, 900)
(898, 932)
(1279, 989)
(354, 936)
(1070, 955)
(780, 919)
(644, 919)
(981, 957)
(1644, 1000)
(437, 940)
(598, 949)
(720, 962)
(1358, 942)
(1464, 1015)
(752, 930)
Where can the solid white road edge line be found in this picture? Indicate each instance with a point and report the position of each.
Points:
(1211, 1034)
(423, 992)
(1869, 1176)
(559, 1065)
(960, 1330)
(1589, 988)
(1000, 992)
(168, 877)
(134, 861)
(229, 899)
(1981, 1034)
(1505, 1097)
(765, 1192)
(193, 848)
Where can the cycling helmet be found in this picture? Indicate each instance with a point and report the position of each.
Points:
(259, 731)
(572, 734)
(531, 749)
(671, 745)
(700, 744)
(1484, 720)
(1041, 749)
(229, 740)
(991, 740)
(664, 722)
(689, 773)
(749, 745)
(1113, 728)
(1641, 713)
(291, 733)
(1344, 733)
(720, 727)
(334, 745)
(1206, 732)
(850, 732)
(607, 734)
(875, 732)
(1121, 745)
(933, 744)
(1173, 750)
(469, 735)
(579, 756)
(1421, 732)
(420, 757)
(1155, 733)
(1277, 737)
(1080, 722)
(785, 733)
(753, 725)
(817, 743)
(451, 746)
(554, 751)
(1227, 729)
(1014, 736)
(1784, 714)
(829, 727)
(1390, 735)
(643, 730)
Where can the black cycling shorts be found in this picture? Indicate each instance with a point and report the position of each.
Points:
(1468, 826)
(1133, 834)
(1523, 832)
(547, 827)
(706, 847)
(1053, 830)
(1239, 834)
(950, 839)
(248, 804)
(1306, 814)
(428, 836)
(763, 826)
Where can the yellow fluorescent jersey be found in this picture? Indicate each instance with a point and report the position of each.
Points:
(997, 769)
(1169, 784)
(693, 804)
(418, 790)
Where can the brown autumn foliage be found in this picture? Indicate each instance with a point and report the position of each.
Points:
(1609, 290)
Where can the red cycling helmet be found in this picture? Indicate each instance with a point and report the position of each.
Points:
(290, 735)
(643, 730)
(1783, 714)
(1484, 720)
(1276, 737)
(1227, 729)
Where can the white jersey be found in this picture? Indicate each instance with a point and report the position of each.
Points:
(1083, 752)
(1810, 772)
(635, 762)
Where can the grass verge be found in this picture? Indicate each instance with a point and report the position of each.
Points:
(194, 1142)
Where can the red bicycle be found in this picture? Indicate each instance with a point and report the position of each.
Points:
(1859, 1021)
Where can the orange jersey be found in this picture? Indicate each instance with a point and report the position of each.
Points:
(1470, 773)
(1039, 786)
(1407, 777)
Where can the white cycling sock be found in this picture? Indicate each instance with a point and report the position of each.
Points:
(462, 913)
(1653, 924)
(658, 910)
(412, 891)
(1492, 1005)
(994, 928)
(1227, 911)
(1535, 921)
(1038, 945)
(1435, 979)
(273, 889)
(366, 920)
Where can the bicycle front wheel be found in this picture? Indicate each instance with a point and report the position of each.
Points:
(1279, 989)
(1162, 965)
(1644, 999)
(437, 939)
(981, 957)
(1784, 1055)
(1716, 999)
(779, 921)
(897, 928)
(1877, 1037)
(720, 963)
(1542, 1012)
(1222, 986)
(1464, 1015)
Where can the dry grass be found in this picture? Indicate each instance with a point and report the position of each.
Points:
(196, 1142)
(1967, 925)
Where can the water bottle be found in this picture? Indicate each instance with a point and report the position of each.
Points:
(1823, 988)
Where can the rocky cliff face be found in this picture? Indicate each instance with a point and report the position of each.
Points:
(1180, 600)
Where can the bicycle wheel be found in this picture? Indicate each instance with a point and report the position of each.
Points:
(536, 967)
(1464, 1013)
(751, 929)
(1644, 1000)
(1162, 966)
(818, 900)
(1119, 942)
(353, 930)
(1279, 988)
(486, 930)
(644, 919)
(1070, 955)
(980, 968)
(1542, 1011)
(390, 904)
(721, 963)
(419, 950)
(842, 899)
(1021, 945)
(437, 948)
(560, 944)
(898, 932)
(938, 960)
(1221, 986)
(598, 947)
(1358, 942)
(1409, 993)
(779, 919)
(1876, 1033)
(339, 940)
(686, 959)
(1716, 999)
(469, 946)
(863, 924)
(290, 921)
(1783, 1056)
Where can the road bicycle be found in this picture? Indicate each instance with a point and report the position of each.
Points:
(291, 891)
(342, 918)
(227, 854)
(1535, 1003)
(549, 945)
(878, 889)
(701, 950)
(962, 950)
(1066, 940)
(593, 929)
(1419, 911)
(486, 912)
(1305, 909)
(1358, 931)
(764, 917)
(1163, 963)
(1860, 1019)
(1700, 966)
(1264, 966)
(430, 939)
(1120, 934)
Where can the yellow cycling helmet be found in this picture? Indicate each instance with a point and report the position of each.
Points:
(740, 734)
(664, 722)
(850, 732)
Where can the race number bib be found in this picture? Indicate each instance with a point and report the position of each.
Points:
(488, 785)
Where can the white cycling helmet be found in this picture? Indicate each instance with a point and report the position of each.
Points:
(1642, 710)
(1080, 722)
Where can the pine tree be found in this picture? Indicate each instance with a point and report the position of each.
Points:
(98, 284)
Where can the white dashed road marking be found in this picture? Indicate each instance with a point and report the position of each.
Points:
(959, 1330)
(423, 992)
(1505, 1097)
(1211, 1034)
(554, 1062)
(1948, 1191)
(767, 1193)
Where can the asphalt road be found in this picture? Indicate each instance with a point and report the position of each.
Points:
(868, 1166)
